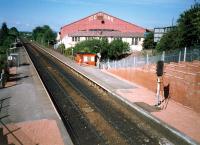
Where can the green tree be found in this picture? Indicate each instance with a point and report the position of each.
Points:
(149, 41)
(5, 38)
(189, 26)
(3, 33)
(5, 41)
(91, 46)
(44, 35)
(13, 31)
(36, 32)
(112, 51)
(187, 32)
(61, 48)
(49, 36)
(117, 48)
(104, 47)
(169, 41)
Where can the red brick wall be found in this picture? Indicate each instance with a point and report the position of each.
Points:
(88, 23)
(184, 80)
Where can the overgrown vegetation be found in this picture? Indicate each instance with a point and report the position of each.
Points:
(61, 48)
(7, 36)
(44, 35)
(187, 32)
(112, 50)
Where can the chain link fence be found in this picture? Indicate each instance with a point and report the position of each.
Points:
(139, 61)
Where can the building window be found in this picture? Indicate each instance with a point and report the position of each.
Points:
(75, 39)
(85, 58)
(135, 40)
(89, 58)
(117, 38)
(92, 58)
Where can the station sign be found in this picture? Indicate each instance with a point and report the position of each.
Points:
(101, 16)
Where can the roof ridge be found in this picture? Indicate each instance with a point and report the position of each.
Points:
(106, 14)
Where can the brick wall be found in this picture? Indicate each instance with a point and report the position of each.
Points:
(183, 78)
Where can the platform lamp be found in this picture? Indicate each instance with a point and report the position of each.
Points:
(159, 73)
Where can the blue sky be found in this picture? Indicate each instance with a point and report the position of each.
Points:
(27, 14)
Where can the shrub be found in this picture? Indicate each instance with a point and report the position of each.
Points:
(108, 51)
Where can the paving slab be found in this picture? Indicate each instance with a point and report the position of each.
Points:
(43, 132)
(29, 99)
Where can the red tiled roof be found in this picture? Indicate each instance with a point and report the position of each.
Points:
(98, 13)
(105, 22)
(105, 34)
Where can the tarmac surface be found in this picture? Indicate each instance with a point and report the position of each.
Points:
(30, 107)
(180, 120)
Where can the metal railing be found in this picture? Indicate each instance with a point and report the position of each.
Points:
(185, 54)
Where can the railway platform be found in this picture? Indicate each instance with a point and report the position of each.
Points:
(30, 114)
(178, 119)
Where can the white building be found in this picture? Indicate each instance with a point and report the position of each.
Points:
(102, 25)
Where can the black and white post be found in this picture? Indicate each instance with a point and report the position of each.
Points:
(159, 73)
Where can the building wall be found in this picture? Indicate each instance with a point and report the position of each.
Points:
(82, 38)
(183, 79)
(94, 22)
(159, 32)
(69, 43)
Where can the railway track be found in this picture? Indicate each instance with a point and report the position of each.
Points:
(90, 116)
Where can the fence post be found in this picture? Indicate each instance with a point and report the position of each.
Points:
(134, 61)
(108, 64)
(124, 63)
(147, 58)
(18, 59)
(179, 58)
(163, 56)
(185, 52)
